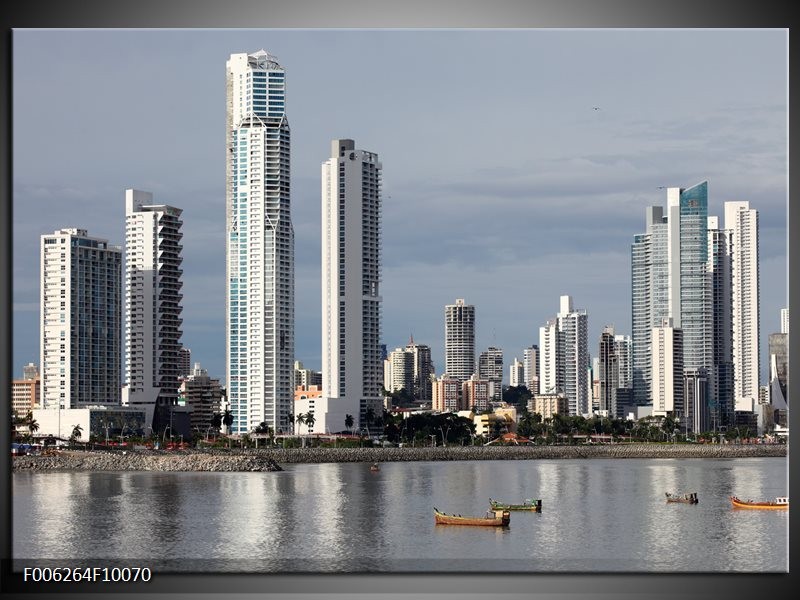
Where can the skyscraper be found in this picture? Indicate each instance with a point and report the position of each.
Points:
(742, 222)
(184, 362)
(422, 371)
(608, 372)
(669, 280)
(564, 357)
(720, 375)
(400, 372)
(516, 373)
(530, 361)
(667, 368)
(152, 305)
(351, 301)
(259, 244)
(490, 368)
(459, 344)
(80, 320)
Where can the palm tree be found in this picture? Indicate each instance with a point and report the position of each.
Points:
(216, 421)
(348, 422)
(369, 417)
(33, 426)
(301, 418)
(290, 416)
(310, 420)
(76, 434)
(227, 420)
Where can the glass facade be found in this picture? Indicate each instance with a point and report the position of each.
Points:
(260, 246)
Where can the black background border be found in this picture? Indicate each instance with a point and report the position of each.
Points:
(250, 14)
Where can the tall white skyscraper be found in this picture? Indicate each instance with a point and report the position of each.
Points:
(459, 340)
(667, 368)
(259, 320)
(516, 373)
(152, 305)
(80, 325)
(564, 357)
(351, 301)
(784, 320)
(530, 362)
(742, 222)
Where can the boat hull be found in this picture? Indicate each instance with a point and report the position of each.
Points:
(534, 505)
(748, 504)
(501, 520)
(682, 498)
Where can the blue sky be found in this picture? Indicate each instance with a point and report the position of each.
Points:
(502, 184)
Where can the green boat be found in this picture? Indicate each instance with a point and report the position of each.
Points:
(527, 504)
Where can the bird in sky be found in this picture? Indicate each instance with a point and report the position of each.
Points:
(596, 108)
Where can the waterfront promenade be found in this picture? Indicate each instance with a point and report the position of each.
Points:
(270, 459)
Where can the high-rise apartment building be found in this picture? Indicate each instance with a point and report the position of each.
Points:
(784, 320)
(720, 374)
(742, 222)
(422, 370)
(399, 371)
(30, 371)
(446, 394)
(152, 306)
(490, 368)
(669, 280)
(459, 340)
(608, 373)
(80, 320)
(564, 357)
(475, 394)
(306, 377)
(184, 362)
(25, 395)
(516, 373)
(260, 245)
(530, 362)
(202, 395)
(667, 369)
(351, 301)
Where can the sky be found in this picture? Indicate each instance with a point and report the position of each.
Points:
(502, 184)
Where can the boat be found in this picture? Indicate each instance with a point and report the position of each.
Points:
(527, 504)
(685, 498)
(374, 467)
(497, 518)
(777, 504)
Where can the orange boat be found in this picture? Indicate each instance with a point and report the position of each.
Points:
(497, 518)
(779, 503)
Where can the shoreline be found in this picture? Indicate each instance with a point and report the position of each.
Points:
(270, 459)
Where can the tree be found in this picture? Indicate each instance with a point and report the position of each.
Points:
(310, 420)
(301, 418)
(348, 422)
(216, 421)
(76, 433)
(33, 426)
(369, 417)
(290, 416)
(227, 420)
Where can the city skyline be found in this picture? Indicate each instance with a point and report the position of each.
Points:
(518, 228)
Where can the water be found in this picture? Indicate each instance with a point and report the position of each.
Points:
(599, 515)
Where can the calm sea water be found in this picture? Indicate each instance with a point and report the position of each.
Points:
(599, 515)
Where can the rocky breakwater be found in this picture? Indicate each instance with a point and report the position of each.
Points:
(321, 455)
(147, 461)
